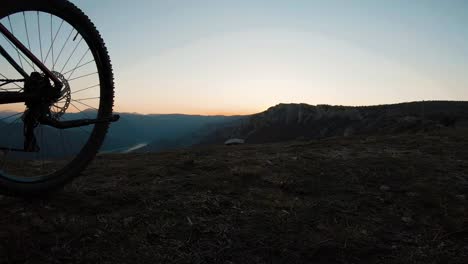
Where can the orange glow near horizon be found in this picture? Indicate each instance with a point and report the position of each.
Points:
(188, 111)
(125, 108)
(147, 110)
(242, 57)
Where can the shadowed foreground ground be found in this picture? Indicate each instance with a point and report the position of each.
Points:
(399, 199)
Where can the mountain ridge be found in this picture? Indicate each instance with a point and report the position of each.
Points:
(294, 121)
(282, 122)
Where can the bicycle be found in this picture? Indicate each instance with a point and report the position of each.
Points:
(64, 107)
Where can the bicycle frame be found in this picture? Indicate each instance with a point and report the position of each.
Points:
(17, 97)
(31, 96)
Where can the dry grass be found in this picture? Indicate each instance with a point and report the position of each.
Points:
(312, 202)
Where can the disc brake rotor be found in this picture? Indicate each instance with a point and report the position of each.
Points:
(59, 108)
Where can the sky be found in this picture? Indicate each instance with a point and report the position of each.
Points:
(243, 56)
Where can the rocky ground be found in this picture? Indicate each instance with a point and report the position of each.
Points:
(392, 199)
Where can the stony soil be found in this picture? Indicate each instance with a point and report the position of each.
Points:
(389, 199)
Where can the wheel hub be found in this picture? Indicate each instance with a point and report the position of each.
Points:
(51, 101)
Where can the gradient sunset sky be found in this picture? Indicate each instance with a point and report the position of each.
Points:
(239, 57)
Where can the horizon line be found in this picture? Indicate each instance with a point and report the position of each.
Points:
(233, 114)
(260, 111)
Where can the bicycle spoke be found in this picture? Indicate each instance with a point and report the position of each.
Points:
(3, 76)
(87, 88)
(17, 51)
(73, 52)
(79, 110)
(77, 67)
(20, 55)
(61, 50)
(85, 99)
(86, 105)
(59, 46)
(82, 76)
(39, 30)
(81, 99)
(27, 35)
(8, 81)
(52, 39)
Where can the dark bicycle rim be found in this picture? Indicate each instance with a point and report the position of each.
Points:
(99, 65)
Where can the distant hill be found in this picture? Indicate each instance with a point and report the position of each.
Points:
(159, 131)
(302, 121)
(283, 122)
(133, 131)
(184, 134)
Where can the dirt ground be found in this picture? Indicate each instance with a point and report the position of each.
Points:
(392, 199)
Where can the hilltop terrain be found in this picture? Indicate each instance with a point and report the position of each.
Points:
(283, 122)
(302, 121)
(375, 199)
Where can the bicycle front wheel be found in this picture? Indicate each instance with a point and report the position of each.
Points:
(68, 44)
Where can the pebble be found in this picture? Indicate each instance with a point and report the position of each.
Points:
(407, 219)
(127, 221)
(384, 188)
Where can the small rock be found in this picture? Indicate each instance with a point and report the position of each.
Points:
(25, 214)
(127, 221)
(234, 141)
(384, 188)
(99, 233)
(461, 197)
(102, 219)
(189, 221)
(407, 219)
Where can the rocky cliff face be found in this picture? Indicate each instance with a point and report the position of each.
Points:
(302, 121)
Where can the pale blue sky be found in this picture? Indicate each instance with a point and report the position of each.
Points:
(242, 56)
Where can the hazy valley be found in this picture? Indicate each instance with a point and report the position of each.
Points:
(283, 122)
